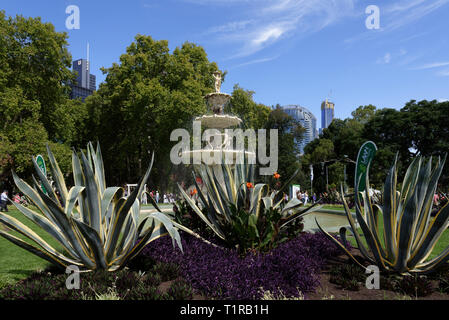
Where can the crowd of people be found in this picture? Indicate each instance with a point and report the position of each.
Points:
(165, 198)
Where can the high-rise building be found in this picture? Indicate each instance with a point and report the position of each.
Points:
(85, 83)
(307, 120)
(327, 113)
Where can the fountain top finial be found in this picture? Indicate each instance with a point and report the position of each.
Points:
(217, 76)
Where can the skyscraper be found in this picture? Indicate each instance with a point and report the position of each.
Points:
(327, 113)
(85, 83)
(307, 120)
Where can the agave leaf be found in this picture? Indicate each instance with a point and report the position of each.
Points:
(93, 239)
(57, 176)
(42, 254)
(33, 195)
(430, 238)
(424, 218)
(339, 244)
(64, 224)
(199, 213)
(18, 226)
(99, 168)
(92, 195)
(352, 223)
(48, 226)
(78, 178)
(369, 237)
(230, 183)
(109, 195)
(256, 197)
(372, 219)
(121, 213)
(71, 199)
(389, 210)
(130, 227)
(267, 202)
(404, 232)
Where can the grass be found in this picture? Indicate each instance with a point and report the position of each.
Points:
(17, 263)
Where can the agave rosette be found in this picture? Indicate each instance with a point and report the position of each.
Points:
(409, 232)
(96, 226)
(220, 199)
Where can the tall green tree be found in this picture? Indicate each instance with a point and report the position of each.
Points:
(34, 100)
(146, 96)
(254, 115)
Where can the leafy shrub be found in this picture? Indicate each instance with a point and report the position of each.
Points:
(415, 286)
(347, 276)
(167, 271)
(123, 285)
(222, 274)
(186, 216)
(180, 290)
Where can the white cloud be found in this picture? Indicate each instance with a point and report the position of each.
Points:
(385, 59)
(388, 57)
(273, 20)
(411, 12)
(400, 14)
(432, 65)
(255, 61)
(444, 73)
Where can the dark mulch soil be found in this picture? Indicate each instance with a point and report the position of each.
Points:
(332, 291)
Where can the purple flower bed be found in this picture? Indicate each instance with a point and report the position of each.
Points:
(222, 274)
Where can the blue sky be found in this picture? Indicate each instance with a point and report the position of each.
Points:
(287, 51)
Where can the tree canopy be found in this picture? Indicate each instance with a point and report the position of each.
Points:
(34, 93)
(145, 96)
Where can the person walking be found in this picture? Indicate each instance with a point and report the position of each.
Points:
(4, 201)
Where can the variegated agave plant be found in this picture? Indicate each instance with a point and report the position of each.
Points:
(222, 201)
(409, 232)
(97, 227)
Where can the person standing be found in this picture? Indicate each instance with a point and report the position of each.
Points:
(4, 201)
(157, 196)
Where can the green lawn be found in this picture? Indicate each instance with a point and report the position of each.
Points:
(15, 262)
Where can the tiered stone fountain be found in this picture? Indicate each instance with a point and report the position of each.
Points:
(219, 144)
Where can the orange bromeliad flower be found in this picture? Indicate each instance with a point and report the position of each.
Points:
(276, 175)
(249, 185)
(193, 192)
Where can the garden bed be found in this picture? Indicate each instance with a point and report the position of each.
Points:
(308, 267)
(341, 279)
